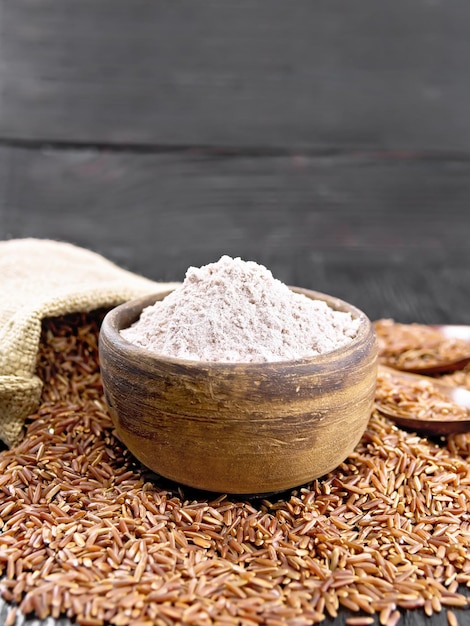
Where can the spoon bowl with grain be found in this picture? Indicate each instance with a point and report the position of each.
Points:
(422, 403)
(425, 349)
(459, 334)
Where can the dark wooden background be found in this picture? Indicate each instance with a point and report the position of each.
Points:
(328, 140)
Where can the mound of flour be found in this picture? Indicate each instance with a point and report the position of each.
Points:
(236, 311)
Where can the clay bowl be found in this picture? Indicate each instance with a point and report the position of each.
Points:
(240, 428)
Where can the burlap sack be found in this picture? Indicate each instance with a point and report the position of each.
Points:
(41, 278)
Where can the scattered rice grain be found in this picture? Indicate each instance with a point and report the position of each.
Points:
(359, 621)
(89, 534)
(452, 619)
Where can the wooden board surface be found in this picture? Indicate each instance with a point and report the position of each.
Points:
(389, 235)
(321, 75)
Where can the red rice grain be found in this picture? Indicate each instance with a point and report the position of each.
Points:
(89, 534)
(452, 619)
(359, 621)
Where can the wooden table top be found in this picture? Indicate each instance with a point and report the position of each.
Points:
(329, 141)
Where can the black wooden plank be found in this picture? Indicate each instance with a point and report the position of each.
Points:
(390, 236)
(318, 75)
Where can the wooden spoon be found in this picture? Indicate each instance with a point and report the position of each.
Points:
(448, 331)
(439, 425)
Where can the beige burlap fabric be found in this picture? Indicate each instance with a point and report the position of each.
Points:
(41, 278)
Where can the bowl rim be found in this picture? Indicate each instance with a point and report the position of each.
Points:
(111, 328)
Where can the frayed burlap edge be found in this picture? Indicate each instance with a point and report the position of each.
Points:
(36, 285)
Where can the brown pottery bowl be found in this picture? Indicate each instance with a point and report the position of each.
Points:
(242, 428)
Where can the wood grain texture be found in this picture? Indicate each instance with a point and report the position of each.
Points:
(330, 74)
(389, 235)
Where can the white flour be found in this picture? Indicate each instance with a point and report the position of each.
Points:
(235, 311)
